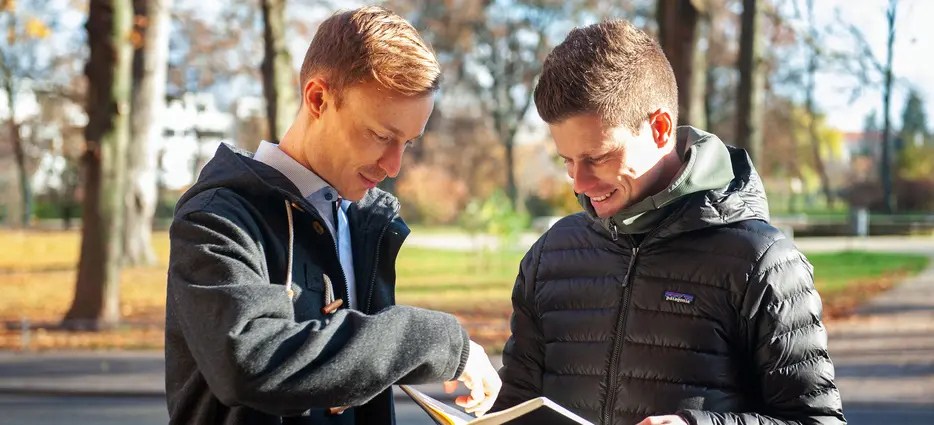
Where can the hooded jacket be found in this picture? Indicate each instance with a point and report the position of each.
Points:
(248, 340)
(710, 314)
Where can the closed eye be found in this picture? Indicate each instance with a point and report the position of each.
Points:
(381, 138)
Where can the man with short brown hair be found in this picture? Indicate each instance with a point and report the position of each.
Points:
(671, 299)
(280, 301)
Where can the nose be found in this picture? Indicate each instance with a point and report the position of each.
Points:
(391, 161)
(583, 176)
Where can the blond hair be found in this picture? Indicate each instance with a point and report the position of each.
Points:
(371, 43)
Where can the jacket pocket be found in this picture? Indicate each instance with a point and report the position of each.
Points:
(309, 294)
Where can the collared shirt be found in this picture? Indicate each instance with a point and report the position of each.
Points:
(323, 197)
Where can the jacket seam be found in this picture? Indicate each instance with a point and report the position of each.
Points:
(583, 248)
(756, 232)
(795, 330)
(569, 341)
(693, 282)
(781, 370)
(794, 295)
(673, 382)
(713, 253)
(675, 313)
(823, 390)
(556, 374)
(773, 266)
(535, 277)
(588, 278)
(674, 347)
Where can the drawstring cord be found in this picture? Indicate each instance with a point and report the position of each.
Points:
(288, 268)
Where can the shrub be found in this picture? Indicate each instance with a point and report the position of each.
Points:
(430, 195)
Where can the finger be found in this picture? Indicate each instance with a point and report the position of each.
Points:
(484, 406)
(450, 386)
(477, 394)
(461, 401)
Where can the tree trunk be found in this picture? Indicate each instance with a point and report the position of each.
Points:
(19, 151)
(888, 193)
(751, 83)
(149, 78)
(698, 100)
(278, 75)
(678, 36)
(812, 115)
(109, 74)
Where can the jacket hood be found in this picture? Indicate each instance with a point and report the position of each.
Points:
(235, 169)
(706, 194)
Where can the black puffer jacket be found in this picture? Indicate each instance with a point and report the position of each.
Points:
(714, 316)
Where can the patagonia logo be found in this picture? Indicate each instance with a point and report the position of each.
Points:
(679, 297)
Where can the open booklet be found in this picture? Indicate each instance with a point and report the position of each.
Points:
(537, 410)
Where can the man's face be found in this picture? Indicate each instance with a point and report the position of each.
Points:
(361, 142)
(611, 165)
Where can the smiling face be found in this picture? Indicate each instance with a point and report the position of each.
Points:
(359, 143)
(612, 166)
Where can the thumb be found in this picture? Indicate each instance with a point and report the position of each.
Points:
(450, 386)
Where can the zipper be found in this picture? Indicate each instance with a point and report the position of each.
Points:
(379, 241)
(609, 402)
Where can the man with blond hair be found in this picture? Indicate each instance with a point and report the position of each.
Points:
(280, 303)
(670, 300)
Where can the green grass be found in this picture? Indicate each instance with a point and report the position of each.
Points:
(455, 280)
(418, 229)
(458, 281)
(835, 271)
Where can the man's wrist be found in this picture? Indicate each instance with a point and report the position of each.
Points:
(465, 355)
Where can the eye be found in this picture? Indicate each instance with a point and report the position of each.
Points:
(380, 138)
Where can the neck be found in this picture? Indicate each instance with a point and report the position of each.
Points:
(293, 146)
(667, 169)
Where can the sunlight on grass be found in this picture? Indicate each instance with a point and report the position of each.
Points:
(38, 271)
(836, 271)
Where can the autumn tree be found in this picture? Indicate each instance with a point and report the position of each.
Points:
(150, 67)
(22, 67)
(109, 75)
(279, 83)
(750, 92)
(680, 31)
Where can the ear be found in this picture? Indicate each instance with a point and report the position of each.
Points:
(315, 96)
(663, 128)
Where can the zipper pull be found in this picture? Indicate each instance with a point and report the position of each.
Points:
(614, 233)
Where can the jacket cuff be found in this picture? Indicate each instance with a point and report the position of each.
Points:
(465, 354)
(691, 417)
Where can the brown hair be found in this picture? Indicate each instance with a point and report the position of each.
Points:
(371, 42)
(610, 68)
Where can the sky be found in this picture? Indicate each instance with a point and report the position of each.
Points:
(914, 46)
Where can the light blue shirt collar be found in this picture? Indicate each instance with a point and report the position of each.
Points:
(308, 183)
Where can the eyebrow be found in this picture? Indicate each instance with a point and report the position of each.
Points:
(593, 153)
(399, 134)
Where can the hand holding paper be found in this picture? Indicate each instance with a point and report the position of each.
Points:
(481, 378)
